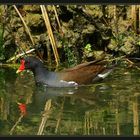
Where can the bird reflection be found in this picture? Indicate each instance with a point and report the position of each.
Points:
(43, 93)
(86, 94)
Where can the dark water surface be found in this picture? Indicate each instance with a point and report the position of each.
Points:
(110, 107)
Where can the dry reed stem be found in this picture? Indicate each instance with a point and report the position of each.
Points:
(60, 116)
(56, 15)
(115, 14)
(139, 17)
(17, 122)
(135, 115)
(116, 21)
(86, 124)
(133, 15)
(45, 116)
(117, 120)
(26, 27)
(50, 33)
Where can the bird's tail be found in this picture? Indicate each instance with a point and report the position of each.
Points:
(104, 73)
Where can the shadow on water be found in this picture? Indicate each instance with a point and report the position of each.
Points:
(105, 108)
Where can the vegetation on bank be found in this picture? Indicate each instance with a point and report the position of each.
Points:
(69, 34)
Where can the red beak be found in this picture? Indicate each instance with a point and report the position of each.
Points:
(22, 66)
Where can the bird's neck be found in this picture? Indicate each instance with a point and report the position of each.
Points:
(39, 70)
(41, 74)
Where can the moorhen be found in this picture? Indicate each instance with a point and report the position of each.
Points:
(85, 73)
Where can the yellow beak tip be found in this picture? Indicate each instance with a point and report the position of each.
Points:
(18, 71)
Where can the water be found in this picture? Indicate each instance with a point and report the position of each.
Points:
(108, 108)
